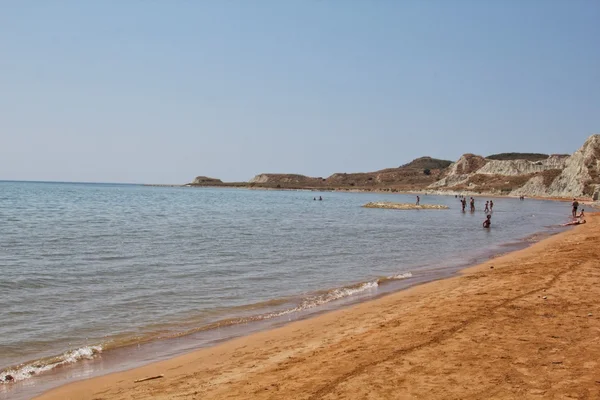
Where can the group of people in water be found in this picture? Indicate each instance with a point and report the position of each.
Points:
(489, 205)
(578, 219)
(489, 208)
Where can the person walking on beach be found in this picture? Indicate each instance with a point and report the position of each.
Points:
(575, 207)
(488, 221)
(487, 207)
(418, 200)
(491, 205)
(472, 204)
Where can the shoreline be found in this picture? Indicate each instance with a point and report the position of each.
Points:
(115, 357)
(265, 343)
(424, 192)
(126, 357)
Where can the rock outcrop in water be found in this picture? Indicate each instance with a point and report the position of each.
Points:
(404, 206)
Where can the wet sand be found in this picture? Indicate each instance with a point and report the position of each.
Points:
(523, 325)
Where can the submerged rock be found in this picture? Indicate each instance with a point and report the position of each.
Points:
(404, 206)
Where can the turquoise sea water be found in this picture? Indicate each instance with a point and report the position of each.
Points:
(89, 268)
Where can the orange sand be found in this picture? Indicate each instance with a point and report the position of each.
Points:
(527, 328)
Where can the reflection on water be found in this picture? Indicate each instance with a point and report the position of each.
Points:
(87, 266)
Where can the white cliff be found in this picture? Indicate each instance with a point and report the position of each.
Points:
(577, 175)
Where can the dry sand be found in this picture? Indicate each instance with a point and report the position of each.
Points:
(527, 328)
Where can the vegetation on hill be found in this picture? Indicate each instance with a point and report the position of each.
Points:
(427, 163)
(518, 156)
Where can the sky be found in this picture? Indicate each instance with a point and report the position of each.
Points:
(162, 91)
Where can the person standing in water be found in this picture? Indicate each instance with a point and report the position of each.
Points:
(487, 207)
(472, 203)
(491, 205)
(418, 200)
(575, 205)
(463, 203)
(488, 221)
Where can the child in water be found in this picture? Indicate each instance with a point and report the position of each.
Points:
(488, 222)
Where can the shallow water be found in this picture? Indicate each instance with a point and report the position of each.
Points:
(89, 267)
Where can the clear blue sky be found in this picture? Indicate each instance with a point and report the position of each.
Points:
(162, 91)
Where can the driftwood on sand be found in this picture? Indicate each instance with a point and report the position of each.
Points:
(404, 206)
(148, 378)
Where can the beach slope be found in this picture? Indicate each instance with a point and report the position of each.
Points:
(524, 325)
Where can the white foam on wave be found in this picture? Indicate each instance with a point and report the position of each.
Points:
(28, 370)
(404, 275)
(336, 294)
(318, 300)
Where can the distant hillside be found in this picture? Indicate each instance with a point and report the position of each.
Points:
(427, 163)
(415, 175)
(516, 174)
(518, 156)
(205, 180)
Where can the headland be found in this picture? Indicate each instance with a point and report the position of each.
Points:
(557, 176)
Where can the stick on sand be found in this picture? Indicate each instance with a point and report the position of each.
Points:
(148, 378)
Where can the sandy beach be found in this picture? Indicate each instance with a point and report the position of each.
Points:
(523, 325)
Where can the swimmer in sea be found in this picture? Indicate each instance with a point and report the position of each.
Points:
(488, 221)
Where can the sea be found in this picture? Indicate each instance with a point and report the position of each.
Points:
(97, 278)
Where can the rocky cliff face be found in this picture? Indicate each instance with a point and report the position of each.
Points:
(459, 172)
(581, 175)
(577, 175)
(521, 167)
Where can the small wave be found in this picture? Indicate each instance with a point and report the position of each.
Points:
(536, 237)
(338, 294)
(30, 369)
(27, 370)
(404, 275)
